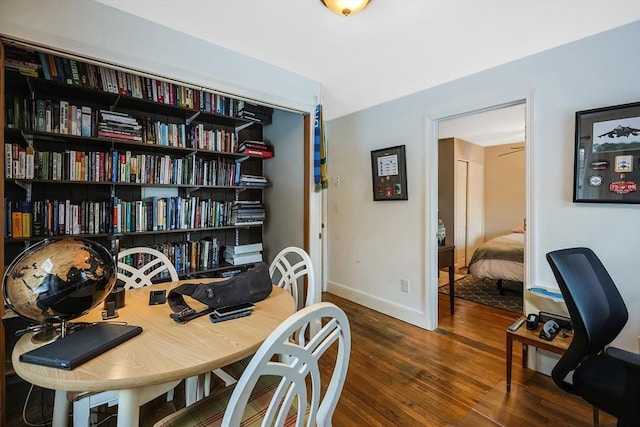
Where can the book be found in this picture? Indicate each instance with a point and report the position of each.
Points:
(76, 120)
(29, 163)
(45, 65)
(75, 73)
(37, 218)
(86, 121)
(41, 124)
(22, 163)
(64, 117)
(8, 161)
(16, 220)
(48, 118)
(258, 153)
(68, 75)
(243, 249)
(53, 71)
(243, 258)
(26, 219)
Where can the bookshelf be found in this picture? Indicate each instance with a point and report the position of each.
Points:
(126, 159)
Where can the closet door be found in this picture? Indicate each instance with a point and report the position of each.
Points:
(475, 207)
(469, 207)
(460, 203)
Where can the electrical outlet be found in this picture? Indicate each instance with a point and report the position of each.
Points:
(336, 180)
(404, 285)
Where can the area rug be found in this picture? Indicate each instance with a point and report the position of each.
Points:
(484, 291)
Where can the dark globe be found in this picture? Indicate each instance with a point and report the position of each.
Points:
(59, 280)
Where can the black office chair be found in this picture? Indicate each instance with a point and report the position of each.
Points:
(608, 378)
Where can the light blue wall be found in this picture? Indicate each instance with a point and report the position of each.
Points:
(373, 245)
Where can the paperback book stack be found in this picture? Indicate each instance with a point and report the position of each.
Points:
(253, 181)
(255, 112)
(245, 212)
(112, 124)
(256, 148)
(243, 254)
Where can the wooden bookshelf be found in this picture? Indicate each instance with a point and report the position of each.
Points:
(187, 138)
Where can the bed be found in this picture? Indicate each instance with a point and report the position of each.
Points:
(501, 258)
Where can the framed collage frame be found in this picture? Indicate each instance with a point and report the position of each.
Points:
(389, 174)
(607, 155)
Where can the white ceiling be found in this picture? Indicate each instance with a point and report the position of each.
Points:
(391, 49)
(494, 127)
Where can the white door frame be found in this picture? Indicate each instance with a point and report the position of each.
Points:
(431, 197)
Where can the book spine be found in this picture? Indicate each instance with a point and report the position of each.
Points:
(86, 121)
(8, 161)
(64, 118)
(75, 73)
(16, 220)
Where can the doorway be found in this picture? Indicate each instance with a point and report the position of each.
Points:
(484, 154)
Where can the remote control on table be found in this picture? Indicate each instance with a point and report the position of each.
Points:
(516, 325)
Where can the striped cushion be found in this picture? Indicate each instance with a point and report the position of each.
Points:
(210, 410)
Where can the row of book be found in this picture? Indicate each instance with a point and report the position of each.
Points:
(56, 218)
(243, 254)
(45, 115)
(256, 148)
(78, 73)
(62, 117)
(170, 213)
(220, 140)
(127, 167)
(185, 256)
(247, 212)
(65, 217)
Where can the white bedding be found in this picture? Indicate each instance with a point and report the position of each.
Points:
(496, 268)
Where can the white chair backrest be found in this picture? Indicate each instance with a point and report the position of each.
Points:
(297, 368)
(288, 266)
(136, 276)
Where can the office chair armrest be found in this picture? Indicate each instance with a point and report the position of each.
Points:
(629, 359)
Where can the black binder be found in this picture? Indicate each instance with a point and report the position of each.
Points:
(81, 346)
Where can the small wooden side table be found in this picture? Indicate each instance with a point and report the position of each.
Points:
(559, 345)
(446, 258)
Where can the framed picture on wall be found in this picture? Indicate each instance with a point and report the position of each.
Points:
(389, 171)
(607, 155)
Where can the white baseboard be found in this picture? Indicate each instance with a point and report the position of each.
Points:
(398, 311)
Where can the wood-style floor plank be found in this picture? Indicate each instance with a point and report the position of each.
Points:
(402, 375)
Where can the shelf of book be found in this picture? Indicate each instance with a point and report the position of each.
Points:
(188, 133)
(82, 140)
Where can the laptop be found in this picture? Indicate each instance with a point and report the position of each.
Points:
(81, 346)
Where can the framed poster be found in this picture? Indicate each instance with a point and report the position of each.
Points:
(607, 155)
(389, 170)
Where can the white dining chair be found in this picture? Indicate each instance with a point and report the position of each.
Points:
(287, 270)
(283, 390)
(148, 265)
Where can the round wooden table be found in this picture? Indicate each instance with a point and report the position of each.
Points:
(162, 355)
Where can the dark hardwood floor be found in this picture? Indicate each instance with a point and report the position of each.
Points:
(401, 375)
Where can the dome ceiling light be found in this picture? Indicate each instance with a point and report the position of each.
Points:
(345, 7)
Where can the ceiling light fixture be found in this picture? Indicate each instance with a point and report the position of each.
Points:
(345, 7)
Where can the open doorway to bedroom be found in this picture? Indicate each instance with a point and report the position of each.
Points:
(482, 204)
